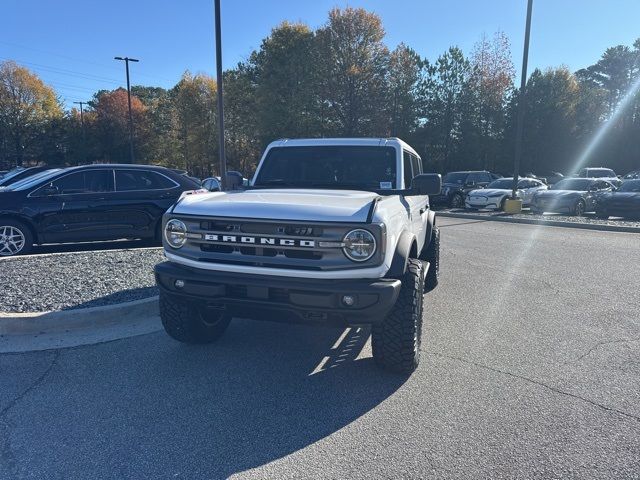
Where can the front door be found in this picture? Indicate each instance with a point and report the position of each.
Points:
(75, 207)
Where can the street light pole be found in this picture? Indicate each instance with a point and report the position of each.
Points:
(126, 61)
(223, 160)
(521, 102)
(84, 137)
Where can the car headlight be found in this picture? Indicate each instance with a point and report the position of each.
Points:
(359, 245)
(175, 233)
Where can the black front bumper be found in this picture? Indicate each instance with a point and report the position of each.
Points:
(281, 298)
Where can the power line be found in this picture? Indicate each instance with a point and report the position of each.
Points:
(63, 71)
(88, 62)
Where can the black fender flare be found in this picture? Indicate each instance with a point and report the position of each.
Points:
(406, 243)
(431, 224)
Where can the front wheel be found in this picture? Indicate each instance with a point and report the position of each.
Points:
(188, 323)
(396, 340)
(457, 201)
(15, 238)
(579, 208)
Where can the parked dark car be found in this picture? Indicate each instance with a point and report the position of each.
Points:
(574, 196)
(623, 202)
(456, 185)
(18, 174)
(632, 175)
(89, 203)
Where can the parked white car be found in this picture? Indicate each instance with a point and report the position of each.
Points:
(499, 190)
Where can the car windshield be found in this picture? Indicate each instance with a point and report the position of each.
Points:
(353, 167)
(455, 177)
(33, 180)
(630, 186)
(502, 184)
(577, 184)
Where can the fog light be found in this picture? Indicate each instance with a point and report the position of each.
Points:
(179, 283)
(348, 300)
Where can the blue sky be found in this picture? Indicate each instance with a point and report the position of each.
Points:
(71, 43)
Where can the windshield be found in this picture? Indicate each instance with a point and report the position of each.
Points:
(630, 186)
(367, 168)
(502, 184)
(33, 180)
(455, 177)
(577, 184)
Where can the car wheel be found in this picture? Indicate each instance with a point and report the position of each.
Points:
(396, 340)
(431, 254)
(191, 324)
(457, 201)
(502, 202)
(579, 208)
(15, 238)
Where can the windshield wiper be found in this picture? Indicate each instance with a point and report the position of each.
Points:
(276, 182)
(343, 186)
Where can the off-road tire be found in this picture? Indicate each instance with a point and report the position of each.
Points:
(396, 340)
(24, 231)
(431, 254)
(457, 201)
(191, 324)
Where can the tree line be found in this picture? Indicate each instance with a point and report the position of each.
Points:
(458, 110)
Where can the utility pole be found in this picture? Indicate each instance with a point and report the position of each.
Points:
(223, 160)
(521, 102)
(126, 61)
(84, 137)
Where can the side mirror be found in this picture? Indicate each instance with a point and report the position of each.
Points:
(50, 190)
(233, 180)
(426, 184)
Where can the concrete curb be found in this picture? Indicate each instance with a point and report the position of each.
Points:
(83, 319)
(531, 221)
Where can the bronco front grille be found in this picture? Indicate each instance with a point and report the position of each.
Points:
(271, 244)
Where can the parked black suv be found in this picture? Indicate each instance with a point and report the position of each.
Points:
(88, 203)
(456, 185)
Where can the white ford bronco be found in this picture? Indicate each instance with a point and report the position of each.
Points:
(331, 231)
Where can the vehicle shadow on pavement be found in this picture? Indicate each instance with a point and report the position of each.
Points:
(149, 407)
(119, 297)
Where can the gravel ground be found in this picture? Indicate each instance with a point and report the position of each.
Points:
(588, 219)
(77, 280)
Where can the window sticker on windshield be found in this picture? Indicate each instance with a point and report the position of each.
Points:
(386, 185)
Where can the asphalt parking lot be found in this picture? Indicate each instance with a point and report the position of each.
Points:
(531, 369)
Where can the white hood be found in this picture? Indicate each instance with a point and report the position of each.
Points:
(282, 204)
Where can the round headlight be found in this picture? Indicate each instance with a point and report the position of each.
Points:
(175, 233)
(359, 245)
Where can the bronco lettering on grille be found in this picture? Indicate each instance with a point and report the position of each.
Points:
(251, 240)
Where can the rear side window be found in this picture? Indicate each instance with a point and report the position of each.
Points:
(134, 180)
(416, 163)
(408, 169)
(92, 181)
